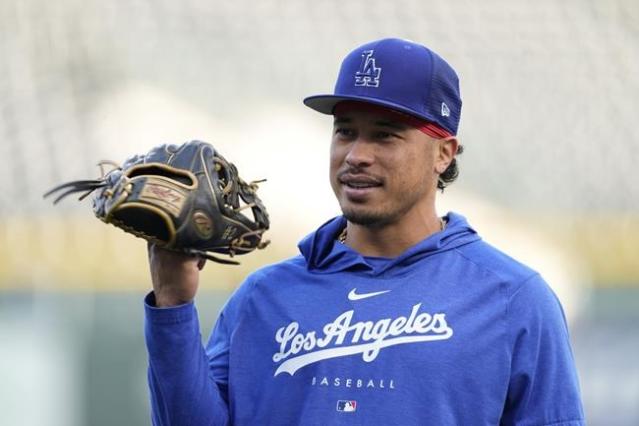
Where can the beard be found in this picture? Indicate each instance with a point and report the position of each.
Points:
(384, 214)
(370, 219)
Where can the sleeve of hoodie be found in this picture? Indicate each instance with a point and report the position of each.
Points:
(543, 388)
(188, 384)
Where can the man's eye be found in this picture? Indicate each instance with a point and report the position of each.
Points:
(344, 132)
(385, 135)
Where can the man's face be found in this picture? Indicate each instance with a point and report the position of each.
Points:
(381, 169)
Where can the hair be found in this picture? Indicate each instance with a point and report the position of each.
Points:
(451, 172)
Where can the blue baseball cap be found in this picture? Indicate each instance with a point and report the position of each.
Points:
(400, 75)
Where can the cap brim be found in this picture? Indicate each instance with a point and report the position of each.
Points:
(326, 103)
(323, 103)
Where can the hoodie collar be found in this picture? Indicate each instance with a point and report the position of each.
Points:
(324, 254)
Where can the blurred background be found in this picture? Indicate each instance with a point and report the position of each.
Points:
(550, 93)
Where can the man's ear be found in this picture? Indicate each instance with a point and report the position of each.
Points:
(446, 153)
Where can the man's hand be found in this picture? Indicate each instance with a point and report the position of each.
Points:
(175, 276)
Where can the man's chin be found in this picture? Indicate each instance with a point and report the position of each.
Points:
(363, 218)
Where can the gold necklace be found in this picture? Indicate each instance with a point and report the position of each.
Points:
(342, 236)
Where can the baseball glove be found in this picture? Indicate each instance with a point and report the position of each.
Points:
(185, 198)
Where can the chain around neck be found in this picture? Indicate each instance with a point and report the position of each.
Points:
(342, 236)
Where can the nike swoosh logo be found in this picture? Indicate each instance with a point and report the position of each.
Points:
(353, 295)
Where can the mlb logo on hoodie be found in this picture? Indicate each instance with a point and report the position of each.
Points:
(346, 406)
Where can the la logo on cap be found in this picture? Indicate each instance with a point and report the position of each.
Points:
(368, 74)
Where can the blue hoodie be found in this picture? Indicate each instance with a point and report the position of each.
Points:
(451, 332)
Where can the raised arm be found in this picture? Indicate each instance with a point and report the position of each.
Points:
(183, 390)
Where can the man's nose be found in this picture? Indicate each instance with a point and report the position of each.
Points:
(360, 153)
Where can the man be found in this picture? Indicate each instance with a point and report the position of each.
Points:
(391, 315)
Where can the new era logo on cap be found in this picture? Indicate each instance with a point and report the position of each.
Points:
(445, 110)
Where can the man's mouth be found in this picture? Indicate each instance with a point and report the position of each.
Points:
(358, 186)
(359, 181)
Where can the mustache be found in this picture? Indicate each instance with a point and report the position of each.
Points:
(356, 173)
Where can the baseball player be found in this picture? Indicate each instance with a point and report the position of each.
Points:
(390, 314)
